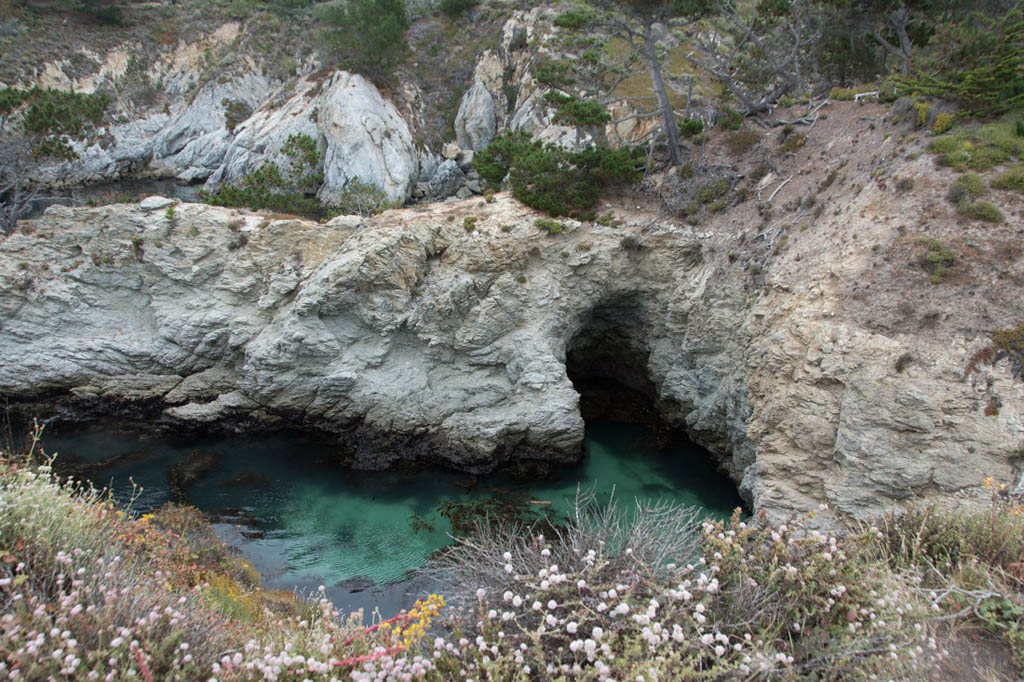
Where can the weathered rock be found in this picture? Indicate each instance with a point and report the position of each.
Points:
(367, 139)
(477, 119)
(446, 181)
(475, 123)
(193, 143)
(419, 339)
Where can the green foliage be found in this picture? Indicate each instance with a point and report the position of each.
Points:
(1012, 179)
(979, 147)
(235, 111)
(280, 190)
(494, 162)
(921, 110)
(552, 179)
(983, 69)
(731, 120)
(943, 122)
(938, 258)
(454, 8)
(11, 99)
(469, 223)
(713, 190)
(362, 198)
(52, 117)
(689, 127)
(967, 187)
(576, 112)
(552, 226)
(559, 182)
(554, 74)
(984, 211)
(574, 19)
(365, 36)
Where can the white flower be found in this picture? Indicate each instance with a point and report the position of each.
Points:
(571, 627)
(719, 650)
(507, 556)
(597, 632)
(481, 593)
(508, 595)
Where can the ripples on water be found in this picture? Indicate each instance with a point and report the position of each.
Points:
(302, 520)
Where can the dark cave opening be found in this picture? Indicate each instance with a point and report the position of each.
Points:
(607, 362)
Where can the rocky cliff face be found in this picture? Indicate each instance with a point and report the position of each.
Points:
(177, 118)
(822, 370)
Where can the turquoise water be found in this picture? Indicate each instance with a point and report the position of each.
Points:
(304, 521)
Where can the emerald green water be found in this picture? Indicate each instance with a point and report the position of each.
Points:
(304, 521)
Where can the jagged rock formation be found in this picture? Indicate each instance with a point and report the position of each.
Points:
(423, 339)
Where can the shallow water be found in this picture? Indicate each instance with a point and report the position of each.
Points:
(303, 521)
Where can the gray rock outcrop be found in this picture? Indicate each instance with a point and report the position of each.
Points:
(476, 122)
(425, 340)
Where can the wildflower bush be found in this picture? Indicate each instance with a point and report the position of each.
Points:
(655, 593)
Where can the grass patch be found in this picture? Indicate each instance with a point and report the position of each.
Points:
(1011, 179)
(937, 260)
(979, 147)
(742, 141)
(984, 211)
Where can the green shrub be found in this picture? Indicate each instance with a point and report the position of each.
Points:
(551, 226)
(731, 120)
(1011, 179)
(574, 19)
(51, 117)
(985, 72)
(689, 127)
(551, 179)
(362, 198)
(576, 112)
(967, 187)
(494, 162)
(713, 190)
(279, 190)
(365, 36)
(454, 8)
(235, 111)
(984, 211)
(980, 147)
(469, 223)
(943, 122)
(554, 74)
(921, 111)
(938, 258)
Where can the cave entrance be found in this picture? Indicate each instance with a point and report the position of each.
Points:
(607, 362)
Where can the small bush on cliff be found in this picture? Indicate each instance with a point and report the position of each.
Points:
(288, 190)
(552, 179)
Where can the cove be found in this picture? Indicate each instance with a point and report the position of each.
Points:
(284, 503)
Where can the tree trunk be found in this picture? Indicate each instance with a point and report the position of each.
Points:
(899, 23)
(668, 116)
